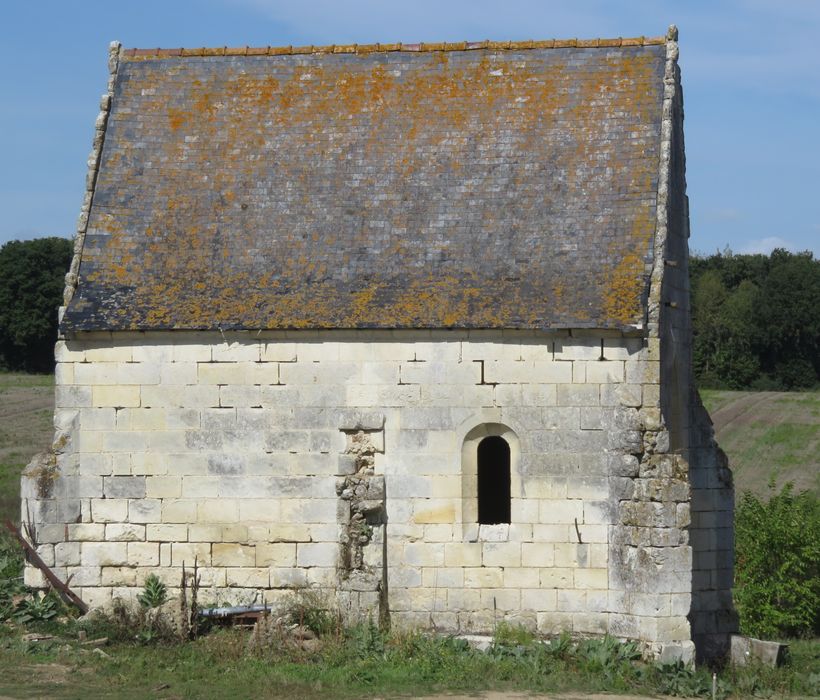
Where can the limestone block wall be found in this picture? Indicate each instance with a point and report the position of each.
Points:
(345, 461)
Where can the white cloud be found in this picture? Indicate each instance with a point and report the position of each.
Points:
(767, 245)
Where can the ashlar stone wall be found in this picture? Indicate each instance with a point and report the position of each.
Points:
(346, 462)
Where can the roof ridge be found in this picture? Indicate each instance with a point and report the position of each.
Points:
(384, 48)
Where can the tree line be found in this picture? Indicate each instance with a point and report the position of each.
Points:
(756, 318)
(31, 289)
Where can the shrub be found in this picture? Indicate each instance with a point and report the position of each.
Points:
(777, 564)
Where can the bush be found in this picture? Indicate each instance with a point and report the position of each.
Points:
(777, 564)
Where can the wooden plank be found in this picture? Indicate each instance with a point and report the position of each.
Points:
(32, 556)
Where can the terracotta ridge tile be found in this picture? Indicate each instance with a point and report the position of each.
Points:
(142, 54)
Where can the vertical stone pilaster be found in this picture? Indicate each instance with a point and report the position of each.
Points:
(362, 517)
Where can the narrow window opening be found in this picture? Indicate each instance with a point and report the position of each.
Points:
(493, 481)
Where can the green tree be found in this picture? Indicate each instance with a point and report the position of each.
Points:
(737, 361)
(708, 296)
(789, 319)
(777, 564)
(756, 320)
(31, 290)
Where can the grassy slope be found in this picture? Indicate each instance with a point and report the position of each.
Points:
(768, 435)
(26, 419)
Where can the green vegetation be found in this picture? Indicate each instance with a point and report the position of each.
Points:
(777, 564)
(756, 320)
(154, 593)
(31, 288)
(768, 436)
(360, 661)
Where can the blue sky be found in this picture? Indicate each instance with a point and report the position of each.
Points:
(751, 75)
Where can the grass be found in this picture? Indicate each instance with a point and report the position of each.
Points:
(26, 427)
(768, 436)
(363, 662)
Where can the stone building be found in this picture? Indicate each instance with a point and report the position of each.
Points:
(408, 324)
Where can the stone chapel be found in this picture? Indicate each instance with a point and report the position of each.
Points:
(407, 324)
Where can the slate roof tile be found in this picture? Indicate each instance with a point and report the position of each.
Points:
(483, 185)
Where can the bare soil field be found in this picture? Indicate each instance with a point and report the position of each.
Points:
(768, 436)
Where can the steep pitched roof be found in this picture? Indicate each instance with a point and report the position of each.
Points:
(491, 185)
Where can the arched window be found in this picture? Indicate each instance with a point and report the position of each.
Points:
(493, 481)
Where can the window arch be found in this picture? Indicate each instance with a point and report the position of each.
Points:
(504, 453)
(494, 496)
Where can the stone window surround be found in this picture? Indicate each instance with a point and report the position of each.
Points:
(471, 530)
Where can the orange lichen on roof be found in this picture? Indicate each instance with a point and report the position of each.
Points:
(493, 185)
